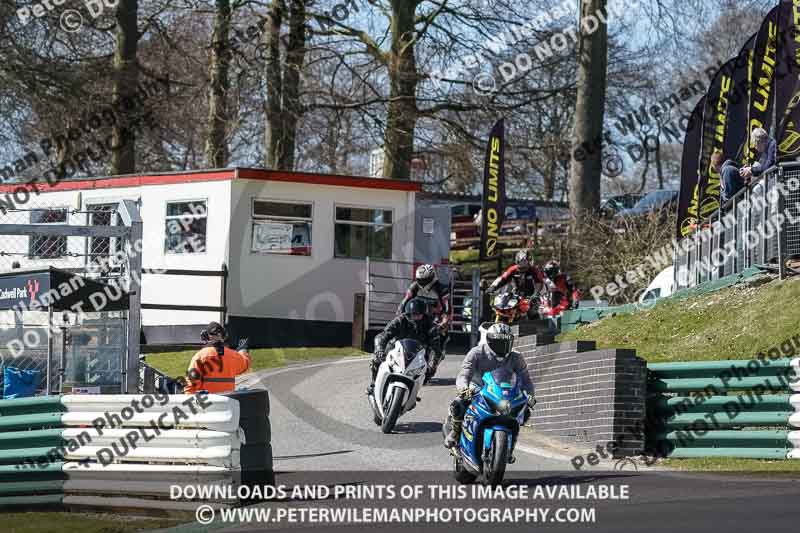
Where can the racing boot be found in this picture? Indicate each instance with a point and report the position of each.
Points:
(373, 374)
(451, 441)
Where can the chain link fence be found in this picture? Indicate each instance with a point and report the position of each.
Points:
(71, 349)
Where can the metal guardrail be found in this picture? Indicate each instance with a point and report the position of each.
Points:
(751, 229)
(724, 409)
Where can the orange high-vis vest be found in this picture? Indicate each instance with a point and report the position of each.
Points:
(208, 371)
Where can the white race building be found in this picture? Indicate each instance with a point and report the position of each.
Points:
(294, 245)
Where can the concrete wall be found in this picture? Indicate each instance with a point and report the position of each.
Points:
(588, 396)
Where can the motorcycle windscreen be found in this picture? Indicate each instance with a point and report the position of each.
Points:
(503, 377)
(410, 349)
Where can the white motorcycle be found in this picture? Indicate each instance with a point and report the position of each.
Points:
(399, 380)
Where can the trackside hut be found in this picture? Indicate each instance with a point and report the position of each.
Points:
(294, 244)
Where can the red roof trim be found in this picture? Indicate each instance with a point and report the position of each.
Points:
(218, 175)
(329, 179)
(114, 182)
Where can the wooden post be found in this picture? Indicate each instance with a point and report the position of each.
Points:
(359, 330)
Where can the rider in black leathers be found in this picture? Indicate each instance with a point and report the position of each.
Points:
(414, 324)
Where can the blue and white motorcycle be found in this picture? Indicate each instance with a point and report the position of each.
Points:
(490, 428)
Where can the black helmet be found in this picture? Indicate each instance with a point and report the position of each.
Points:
(500, 339)
(417, 306)
(552, 269)
(214, 328)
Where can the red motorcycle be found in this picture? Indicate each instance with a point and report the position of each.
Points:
(509, 306)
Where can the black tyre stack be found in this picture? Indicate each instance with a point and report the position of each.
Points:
(256, 451)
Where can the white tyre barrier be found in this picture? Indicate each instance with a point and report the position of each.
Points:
(795, 382)
(127, 479)
(794, 420)
(213, 448)
(214, 412)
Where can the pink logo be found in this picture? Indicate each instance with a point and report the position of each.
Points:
(33, 288)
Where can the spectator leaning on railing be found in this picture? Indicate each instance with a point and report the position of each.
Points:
(767, 150)
(729, 172)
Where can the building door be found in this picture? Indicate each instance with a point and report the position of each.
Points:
(432, 235)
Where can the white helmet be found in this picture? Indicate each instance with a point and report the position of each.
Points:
(425, 276)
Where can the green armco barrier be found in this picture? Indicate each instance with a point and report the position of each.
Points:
(23, 488)
(32, 421)
(37, 404)
(44, 472)
(739, 453)
(718, 385)
(766, 438)
(765, 367)
(688, 404)
(22, 455)
(54, 500)
(13, 440)
(687, 420)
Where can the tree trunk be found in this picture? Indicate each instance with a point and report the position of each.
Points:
(402, 112)
(274, 84)
(295, 57)
(659, 163)
(584, 180)
(283, 83)
(126, 79)
(217, 153)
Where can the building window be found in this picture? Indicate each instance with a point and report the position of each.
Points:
(281, 227)
(100, 248)
(46, 246)
(362, 232)
(185, 227)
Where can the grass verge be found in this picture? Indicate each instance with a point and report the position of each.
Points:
(176, 363)
(733, 323)
(740, 466)
(57, 522)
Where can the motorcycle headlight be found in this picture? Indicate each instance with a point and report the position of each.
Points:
(504, 407)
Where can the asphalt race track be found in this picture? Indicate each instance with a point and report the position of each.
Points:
(322, 433)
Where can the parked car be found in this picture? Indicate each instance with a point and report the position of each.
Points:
(659, 200)
(613, 205)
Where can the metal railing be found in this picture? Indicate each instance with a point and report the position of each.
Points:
(758, 227)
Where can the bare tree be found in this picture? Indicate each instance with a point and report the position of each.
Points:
(126, 80)
(584, 181)
(217, 153)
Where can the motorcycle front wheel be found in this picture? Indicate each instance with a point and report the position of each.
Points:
(495, 467)
(395, 404)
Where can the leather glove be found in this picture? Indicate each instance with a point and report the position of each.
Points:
(243, 345)
(531, 401)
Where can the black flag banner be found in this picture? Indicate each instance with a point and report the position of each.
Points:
(688, 197)
(715, 119)
(738, 104)
(762, 79)
(494, 192)
(787, 89)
